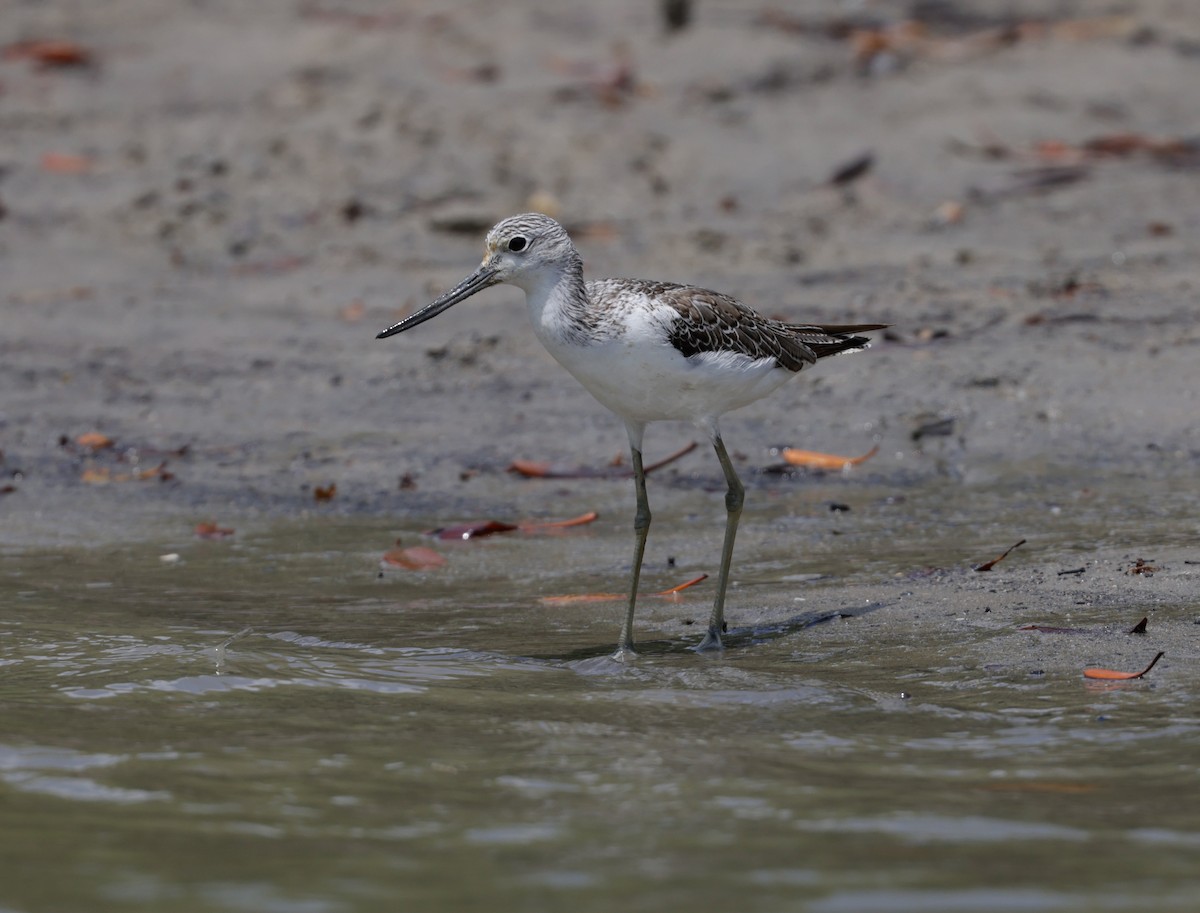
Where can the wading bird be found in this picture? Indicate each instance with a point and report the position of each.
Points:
(650, 351)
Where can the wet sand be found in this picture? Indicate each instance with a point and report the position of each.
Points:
(206, 223)
(262, 190)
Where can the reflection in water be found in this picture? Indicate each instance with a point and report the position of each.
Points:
(58, 772)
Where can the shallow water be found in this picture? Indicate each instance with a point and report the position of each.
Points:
(268, 724)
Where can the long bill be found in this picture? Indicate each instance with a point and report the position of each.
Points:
(482, 278)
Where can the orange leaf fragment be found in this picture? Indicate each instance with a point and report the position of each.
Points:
(1114, 675)
(49, 53)
(483, 528)
(155, 472)
(988, 565)
(472, 530)
(97, 476)
(65, 163)
(531, 469)
(811, 459)
(533, 526)
(683, 586)
(325, 494)
(416, 558)
(210, 530)
(612, 597)
(94, 440)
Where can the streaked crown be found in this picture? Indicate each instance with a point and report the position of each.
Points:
(533, 238)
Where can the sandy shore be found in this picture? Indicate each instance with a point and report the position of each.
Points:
(209, 215)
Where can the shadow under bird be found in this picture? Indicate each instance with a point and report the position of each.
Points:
(650, 351)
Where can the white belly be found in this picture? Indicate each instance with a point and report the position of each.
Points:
(646, 383)
(626, 360)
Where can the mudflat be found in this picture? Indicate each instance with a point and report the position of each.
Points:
(209, 214)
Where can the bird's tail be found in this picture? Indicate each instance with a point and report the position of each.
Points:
(833, 339)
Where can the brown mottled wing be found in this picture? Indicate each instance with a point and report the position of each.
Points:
(712, 322)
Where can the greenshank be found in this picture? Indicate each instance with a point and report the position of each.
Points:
(649, 351)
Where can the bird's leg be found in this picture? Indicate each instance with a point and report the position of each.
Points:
(734, 497)
(641, 527)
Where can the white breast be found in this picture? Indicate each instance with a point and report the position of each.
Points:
(632, 368)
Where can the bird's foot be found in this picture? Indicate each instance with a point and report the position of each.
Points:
(712, 641)
(624, 654)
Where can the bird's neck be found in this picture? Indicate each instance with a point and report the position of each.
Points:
(558, 304)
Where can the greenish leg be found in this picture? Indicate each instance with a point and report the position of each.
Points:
(734, 498)
(641, 527)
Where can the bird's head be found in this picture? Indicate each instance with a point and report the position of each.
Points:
(526, 251)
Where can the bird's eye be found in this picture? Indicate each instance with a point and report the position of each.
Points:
(517, 244)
